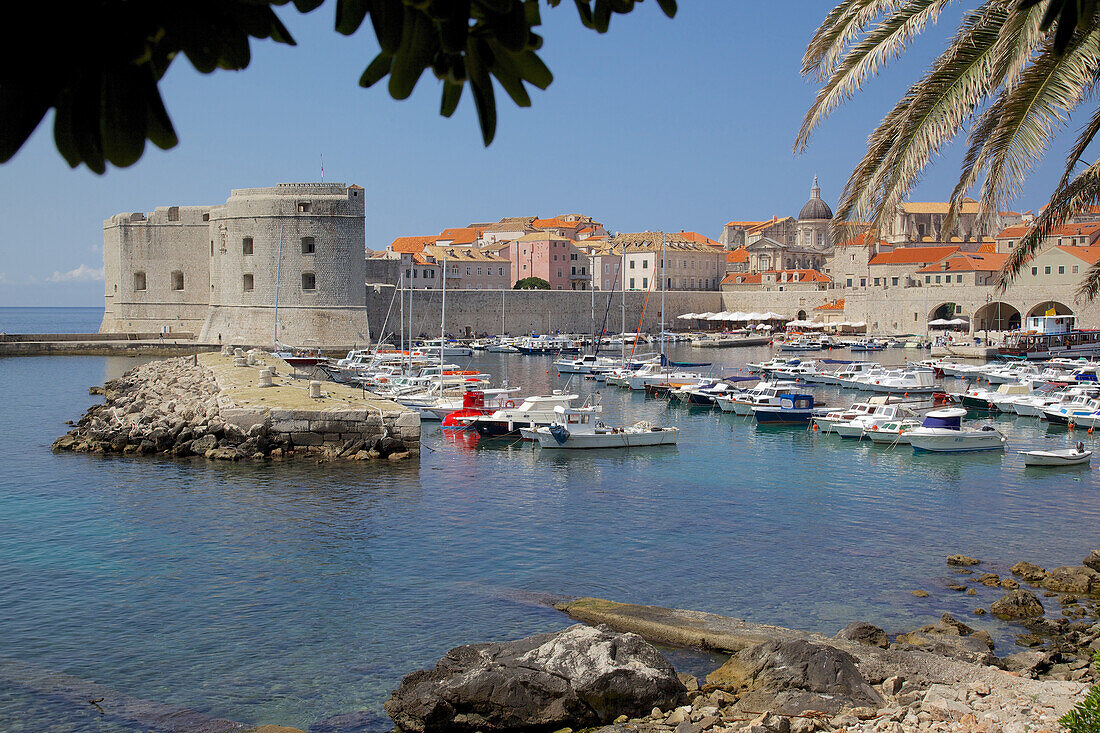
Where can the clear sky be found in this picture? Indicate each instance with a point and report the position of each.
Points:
(659, 124)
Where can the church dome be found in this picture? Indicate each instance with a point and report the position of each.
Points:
(815, 208)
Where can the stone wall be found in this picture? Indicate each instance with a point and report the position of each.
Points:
(527, 311)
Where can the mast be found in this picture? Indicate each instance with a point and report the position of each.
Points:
(443, 321)
(278, 264)
(622, 298)
(662, 294)
(401, 284)
(502, 312)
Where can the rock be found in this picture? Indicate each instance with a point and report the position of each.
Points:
(1075, 579)
(1009, 584)
(690, 683)
(580, 677)
(864, 633)
(203, 444)
(962, 560)
(1028, 571)
(1092, 561)
(920, 593)
(1028, 640)
(892, 685)
(971, 592)
(949, 638)
(979, 611)
(943, 703)
(397, 456)
(991, 580)
(677, 716)
(769, 723)
(791, 677)
(227, 453)
(956, 587)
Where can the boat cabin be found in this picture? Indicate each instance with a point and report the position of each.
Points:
(946, 419)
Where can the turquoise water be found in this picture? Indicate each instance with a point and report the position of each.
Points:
(292, 593)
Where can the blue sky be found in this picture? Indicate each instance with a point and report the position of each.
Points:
(659, 124)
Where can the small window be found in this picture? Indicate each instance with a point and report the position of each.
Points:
(1046, 270)
(304, 207)
(928, 279)
(937, 279)
(308, 246)
(206, 216)
(467, 270)
(173, 213)
(246, 245)
(645, 282)
(309, 281)
(479, 271)
(1075, 269)
(1035, 271)
(211, 247)
(177, 280)
(632, 265)
(893, 281)
(849, 282)
(139, 280)
(863, 282)
(645, 264)
(958, 278)
(959, 308)
(1061, 269)
(876, 282)
(249, 282)
(631, 283)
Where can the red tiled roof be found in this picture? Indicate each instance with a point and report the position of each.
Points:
(738, 255)
(913, 255)
(836, 305)
(411, 244)
(699, 238)
(968, 262)
(461, 235)
(1089, 230)
(1088, 254)
(860, 240)
(987, 247)
(742, 278)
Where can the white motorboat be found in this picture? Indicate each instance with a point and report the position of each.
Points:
(1074, 456)
(826, 422)
(578, 430)
(448, 347)
(531, 412)
(585, 364)
(856, 427)
(905, 381)
(764, 393)
(1079, 405)
(942, 432)
(892, 432)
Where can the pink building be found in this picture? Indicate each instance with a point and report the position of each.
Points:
(553, 258)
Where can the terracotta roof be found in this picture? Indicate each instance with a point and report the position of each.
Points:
(860, 240)
(743, 278)
(738, 255)
(420, 259)
(747, 223)
(700, 239)
(968, 262)
(1090, 230)
(461, 235)
(988, 247)
(542, 237)
(411, 244)
(970, 206)
(463, 254)
(836, 305)
(1088, 254)
(913, 255)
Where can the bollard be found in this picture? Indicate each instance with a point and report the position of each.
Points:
(315, 389)
(238, 351)
(265, 378)
(239, 361)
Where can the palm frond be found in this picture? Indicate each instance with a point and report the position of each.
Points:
(844, 23)
(882, 44)
(1084, 139)
(1017, 129)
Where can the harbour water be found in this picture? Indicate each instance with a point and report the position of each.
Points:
(290, 593)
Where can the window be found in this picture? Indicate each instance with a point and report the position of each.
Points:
(574, 271)
(573, 256)
(173, 213)
(937, 279)
(958, 279)
(928, 278)
(849, 283)
(139, 280)
(555, 258)
(1061, 269)
(467, 270)
(606, 269)
(249, 282)
(876, 282)
(308, 246)
(645, 282)
(853, 257)
(1075, 269)
(500, 271)
(893, 281)
(583, 270)
(309, 281)
(177, 280)
(246, 245)
(304, 207)
(479, 271)
(632, 264)
(631, 283)
(863, 282)
(1046, 270)
(1035, 271)
(959, 308)
(645, 264)
(211, 247)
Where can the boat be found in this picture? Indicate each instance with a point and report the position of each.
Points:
(1077, 406)
(792, 409)
(573, 429)
(585, 364)
(445, 347)
(825, 422)
(905, 381)
(532, 411)
(942, 432)
(742, 403)
(1074, 456)
(892, 432)
(858, 426)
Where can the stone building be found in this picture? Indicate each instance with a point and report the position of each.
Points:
(687, 265)
(219, 271)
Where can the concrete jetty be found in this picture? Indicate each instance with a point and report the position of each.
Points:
(234, 406)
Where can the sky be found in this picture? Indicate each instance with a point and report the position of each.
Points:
(671, 124)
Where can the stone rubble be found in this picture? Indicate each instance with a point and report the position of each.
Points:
(172, 407)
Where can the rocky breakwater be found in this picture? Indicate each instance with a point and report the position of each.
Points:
(238, 407)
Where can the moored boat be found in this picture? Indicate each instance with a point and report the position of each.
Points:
(1074, 456)
(942, 432)
(575, 429)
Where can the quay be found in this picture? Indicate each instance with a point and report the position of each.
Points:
(965, 352)
(233, 406)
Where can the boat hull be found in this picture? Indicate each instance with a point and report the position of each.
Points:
(589, 441)
(1056, 458)
(964, 443)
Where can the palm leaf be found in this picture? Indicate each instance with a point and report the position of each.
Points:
(844, 23)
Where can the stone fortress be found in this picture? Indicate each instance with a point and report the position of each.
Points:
(219, 272)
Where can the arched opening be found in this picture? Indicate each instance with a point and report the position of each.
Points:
(942, 312)
(996, 316)
(1040, 309)
(801, 316)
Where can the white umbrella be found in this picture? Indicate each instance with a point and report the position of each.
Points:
(717, 316)
(957, 322)
(769, 316)
(703, 316)
(687, 315)
(814, 324)
(939, 322)
(754, 316)
(858, 324)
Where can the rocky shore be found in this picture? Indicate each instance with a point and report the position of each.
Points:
(180, 407)
(606, 677)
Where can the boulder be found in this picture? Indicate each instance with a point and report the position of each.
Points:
(962, 560)
(580, 677)
(864, 633)
(1075, 579)
(791, 677)
(1017, 604)
(1093, 561)
(203, 444)
(1028, 571)
(949, 638)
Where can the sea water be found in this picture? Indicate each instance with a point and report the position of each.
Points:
(292, 592)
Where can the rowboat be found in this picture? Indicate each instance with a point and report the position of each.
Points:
(1074, 456)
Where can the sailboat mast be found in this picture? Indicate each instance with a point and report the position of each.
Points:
(443, 321)
(662, 293)
(622, 297)
(278, 264)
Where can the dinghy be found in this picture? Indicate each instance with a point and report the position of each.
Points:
(1074, 456)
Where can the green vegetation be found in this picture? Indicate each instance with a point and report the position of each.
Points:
(1010, 78)
(1085, 718)
(101, 62)
(531, 283)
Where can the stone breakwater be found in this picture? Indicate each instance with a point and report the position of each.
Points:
(225, 408)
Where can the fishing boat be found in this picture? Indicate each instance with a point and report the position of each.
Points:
(573, 429)
(942, 432)
(792, 409)
(1074, 456)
